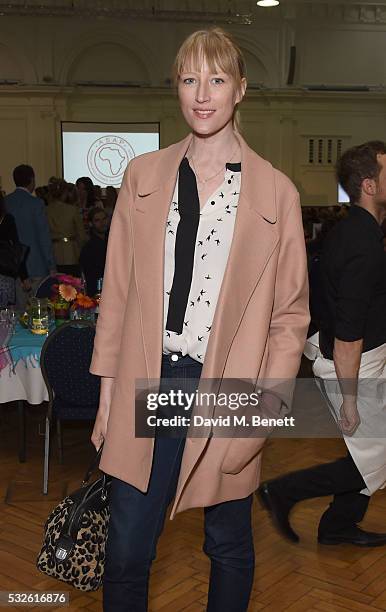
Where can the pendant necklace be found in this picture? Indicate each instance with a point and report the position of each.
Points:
(203, 181)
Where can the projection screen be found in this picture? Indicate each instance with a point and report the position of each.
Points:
(103, 150)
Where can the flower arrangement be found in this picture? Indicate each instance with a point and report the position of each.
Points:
(83, 307)
(69, 300)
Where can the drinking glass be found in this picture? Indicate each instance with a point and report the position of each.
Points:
(12, 317)
(39, 319)
(4, 317)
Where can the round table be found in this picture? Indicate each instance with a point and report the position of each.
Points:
(21, 378)
(20, 374)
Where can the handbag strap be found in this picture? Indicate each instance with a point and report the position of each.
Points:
(93, 466)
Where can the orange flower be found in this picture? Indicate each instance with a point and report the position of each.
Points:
(67, 292)
(84, 301)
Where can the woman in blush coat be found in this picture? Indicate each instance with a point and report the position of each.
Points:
(205, 278)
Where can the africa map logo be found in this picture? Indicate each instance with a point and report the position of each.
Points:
(107, 159)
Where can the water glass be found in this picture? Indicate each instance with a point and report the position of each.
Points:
(13, 316)
(5, 317)
(39, 320)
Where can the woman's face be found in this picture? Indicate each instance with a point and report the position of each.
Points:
(208, 99)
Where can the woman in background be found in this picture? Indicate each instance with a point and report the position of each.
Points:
(87, 198)
(71, 195)
(110, 200)
(66, 226)
(87, 194)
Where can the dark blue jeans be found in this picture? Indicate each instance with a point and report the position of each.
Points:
(137, 520)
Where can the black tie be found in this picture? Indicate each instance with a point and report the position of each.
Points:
(189, 209)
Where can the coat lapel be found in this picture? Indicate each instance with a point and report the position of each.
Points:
(152, 201)
(254, 240)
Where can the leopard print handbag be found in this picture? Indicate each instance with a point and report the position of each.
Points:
(75, 536)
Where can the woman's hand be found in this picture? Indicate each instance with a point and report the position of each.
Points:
(100, 427)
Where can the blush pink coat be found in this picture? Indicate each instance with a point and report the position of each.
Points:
(259, 327)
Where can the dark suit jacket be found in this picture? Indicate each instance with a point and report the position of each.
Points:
(92, 261)
(32, 227)
(8, 233)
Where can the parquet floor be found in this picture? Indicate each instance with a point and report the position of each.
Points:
(295, 578)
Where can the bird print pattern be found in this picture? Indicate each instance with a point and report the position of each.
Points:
(214, 238)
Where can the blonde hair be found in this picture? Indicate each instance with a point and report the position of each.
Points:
(220, 51)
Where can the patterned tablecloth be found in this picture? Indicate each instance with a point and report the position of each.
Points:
(5, 359)
(20, 373)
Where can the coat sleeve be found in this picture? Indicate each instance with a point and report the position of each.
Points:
(116, 279)
(290, 313)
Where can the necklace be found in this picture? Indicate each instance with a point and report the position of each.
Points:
(206, 180)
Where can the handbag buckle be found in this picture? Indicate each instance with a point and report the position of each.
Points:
(63, 548)
(61, 554)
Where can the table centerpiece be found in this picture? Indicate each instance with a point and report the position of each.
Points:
(83, 307)
(65, 294)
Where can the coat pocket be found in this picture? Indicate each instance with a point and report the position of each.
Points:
(240, 453)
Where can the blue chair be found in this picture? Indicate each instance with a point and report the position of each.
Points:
(44, 290)
(73, 393)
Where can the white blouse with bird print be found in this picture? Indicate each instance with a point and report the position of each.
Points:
(192, 290)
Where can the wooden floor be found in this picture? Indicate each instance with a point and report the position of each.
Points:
(288, 577)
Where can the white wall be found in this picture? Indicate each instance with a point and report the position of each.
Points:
(48, 56)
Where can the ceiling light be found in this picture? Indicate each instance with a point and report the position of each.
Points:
(268, 2)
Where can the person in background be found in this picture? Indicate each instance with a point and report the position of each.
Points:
(93, 254)
(87, 198)
(87, 195)
(351, 355)
(343, 212)
(314, 254)
(66, 225)
(110, 200)
(43, 194)
(72, 195)
(315, 246)
(8, 233)
(98, 194)
(307, 228)
(32, 226)
(51, 180)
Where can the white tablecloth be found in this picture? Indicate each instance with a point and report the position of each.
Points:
(23, 383)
